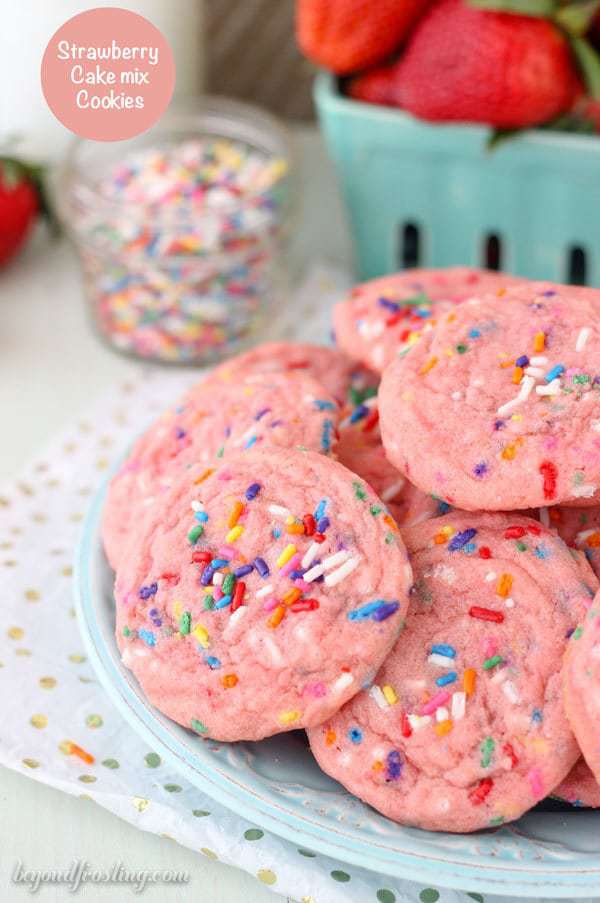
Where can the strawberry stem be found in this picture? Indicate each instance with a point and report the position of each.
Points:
(589, 65)
(539, 9)
(576, 18)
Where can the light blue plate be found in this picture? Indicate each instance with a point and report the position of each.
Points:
(278, 785)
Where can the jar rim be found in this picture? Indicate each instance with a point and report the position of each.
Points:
(208, 115)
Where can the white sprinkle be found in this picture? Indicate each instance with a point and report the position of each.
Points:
(544, 517)
(140, 651)
(218, 578)
(445, 573)
(507, 408)
(310, 554)
(234, 617)
(491, 575)
(552, 388)
(264, 591)
(499, 676)
(534, 371)
(442, 661)
(442, 714)
(538, 361)
(333, 560)
(584, 334)
(377, 356)
(378, 697)
(388, 494)
(509, 602)
(273, 649)
(345, 759)
(279, 511)
(456, 396)
(527, 384)
(595, 426)
(510, 691)
(196, 506)
(251, 431)
(459, 705)
(341, 573)
(372, 329)
(313, 573)
(341, 683)
(419, 721)
(584, 490)
(302, 634)
(581, 537)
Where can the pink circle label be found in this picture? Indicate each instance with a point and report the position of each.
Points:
(108, 74)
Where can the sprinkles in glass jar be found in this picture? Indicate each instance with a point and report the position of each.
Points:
(181, 237)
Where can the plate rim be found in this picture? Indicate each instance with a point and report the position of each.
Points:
(550, 879)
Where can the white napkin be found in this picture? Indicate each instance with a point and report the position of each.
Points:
(50, 694)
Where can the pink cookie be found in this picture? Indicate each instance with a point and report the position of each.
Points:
(259, 599)
(582, 683)
(497, 408)
(464, 726)
(381, 317)
(332, 368)
(580, 528)
(580, 787)
(360, 450)
(211, 421)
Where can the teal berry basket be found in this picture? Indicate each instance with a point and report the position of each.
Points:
(435, 195)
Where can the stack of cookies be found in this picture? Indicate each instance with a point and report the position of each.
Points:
(405, 570)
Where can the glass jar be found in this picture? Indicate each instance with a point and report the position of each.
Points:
(180, 231)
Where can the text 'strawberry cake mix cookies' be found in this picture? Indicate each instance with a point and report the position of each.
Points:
(331, 367)
(259, 598)
(464, 726)
(580, 787)
(498, 407)
(283, 409)
(582, 686)
(360, 449)
(381, 317)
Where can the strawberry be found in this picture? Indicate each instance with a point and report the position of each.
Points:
(19, 206)
(587, 111)
(348, 35)
(377, 85)
(475, 65)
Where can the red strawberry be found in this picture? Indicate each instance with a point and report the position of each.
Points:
(472, 65)
(378, 85)
(587, 110)
(19, 206)
(348, 35)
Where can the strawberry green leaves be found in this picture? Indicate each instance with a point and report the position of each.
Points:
(575, 18)
(543, 9)
(588, 62)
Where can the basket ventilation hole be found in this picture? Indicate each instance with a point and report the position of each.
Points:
(492, 252)
(410, 241)
(576, 266)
